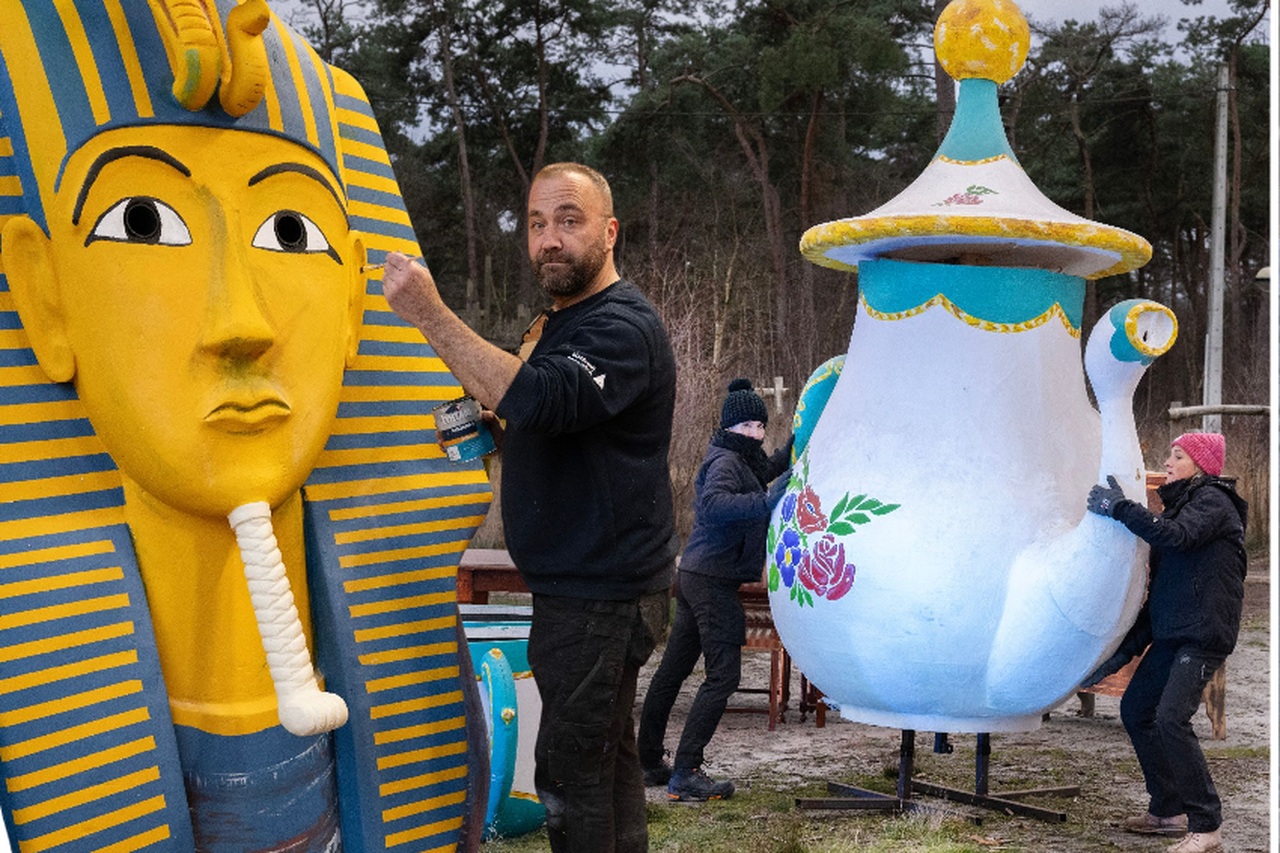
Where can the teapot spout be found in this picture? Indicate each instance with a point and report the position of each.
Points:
(1071, 597)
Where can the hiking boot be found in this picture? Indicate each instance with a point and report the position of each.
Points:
(696, 786)
(1149, 824)
(1199, 842)
(657, 775)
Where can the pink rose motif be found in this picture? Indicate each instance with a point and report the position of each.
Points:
(963, 198)
(826, 572)
(809, 512)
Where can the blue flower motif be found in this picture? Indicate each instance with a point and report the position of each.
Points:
(788, 555)
(789, 506)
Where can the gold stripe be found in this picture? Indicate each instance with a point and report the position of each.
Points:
(353, 560)
(87, 520)
(399, 579)
(394, 334)
(426, 449)
(84, 60)
(51, 448)
(981, 162)
(58, 552)
(299, 82)
(365, 150)
(369, 181)
(386, 632)
(415, 756)
(92, 761)
(348, 513)
(318, 66)
(380, 212)
(408, 835)
(6, 146)
(71, 484)
(23, 374)
(426, 676)
(409, 529)
(65, 736)
(404, 363)
(409, 706)
(64, 641)
(423, 730)
(129, 53)
(346, 115)
(374, 426)
(89, 827)
(63, 611)
(411, 809)
(391, 605)
(396, 393)
(86, 795)
(70, 703)
(67, 581)
(35, 413)
(67, 670)
(137, 842)
(423, 781)
(10, 185)
(411, 653)
(13, 338)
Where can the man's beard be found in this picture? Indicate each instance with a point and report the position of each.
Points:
(577, 274)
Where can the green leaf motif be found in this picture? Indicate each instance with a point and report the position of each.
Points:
(868, 505)
(859, 518)
(773, 539)
(841, 528)
(885, 510)
(844, 501)
(775, 577)
(795, 590)
(854, 502)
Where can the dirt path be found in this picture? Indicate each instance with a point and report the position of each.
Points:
(1069, 749)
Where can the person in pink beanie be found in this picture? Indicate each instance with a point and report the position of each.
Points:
(1188, 626)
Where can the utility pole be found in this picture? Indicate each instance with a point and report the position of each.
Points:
(1217, 254)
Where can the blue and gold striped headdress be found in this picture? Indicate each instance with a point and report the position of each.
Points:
(87, 748)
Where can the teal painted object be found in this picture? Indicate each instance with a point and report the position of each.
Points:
(498, 639)
(813, 399)
(1121, 347)
(977, 132)
(994, 294)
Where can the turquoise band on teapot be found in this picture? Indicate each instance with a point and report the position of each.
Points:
(995, 298)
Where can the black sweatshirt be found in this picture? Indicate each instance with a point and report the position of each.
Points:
(586, 492)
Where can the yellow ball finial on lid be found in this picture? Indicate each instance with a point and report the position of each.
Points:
(982, 38)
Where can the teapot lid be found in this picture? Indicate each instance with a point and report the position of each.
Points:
(974, 203)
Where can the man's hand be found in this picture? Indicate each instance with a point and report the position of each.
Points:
(1110, 666)
(410, 290)
(1102, 499)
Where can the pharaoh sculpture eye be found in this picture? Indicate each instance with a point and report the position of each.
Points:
(290, 231)
(141, 219)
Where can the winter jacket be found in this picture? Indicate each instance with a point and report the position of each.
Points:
(1198, 564)
(731, 513)
(586, 492)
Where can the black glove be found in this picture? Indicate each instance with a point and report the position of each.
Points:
(1103, 499)
(1110, 666)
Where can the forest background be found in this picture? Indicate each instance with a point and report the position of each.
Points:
(729, 127)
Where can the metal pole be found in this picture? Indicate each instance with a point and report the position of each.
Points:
(1217, 254)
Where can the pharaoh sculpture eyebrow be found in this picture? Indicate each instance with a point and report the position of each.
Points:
(148, 151)
(301, 169)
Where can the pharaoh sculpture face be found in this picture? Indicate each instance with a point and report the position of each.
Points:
(202, 289)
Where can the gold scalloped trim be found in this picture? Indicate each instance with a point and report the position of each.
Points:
(1055, 310)
(818, 240)
(995, 159)
(1131, 328)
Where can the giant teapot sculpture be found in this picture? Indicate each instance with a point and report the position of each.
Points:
(932, 565)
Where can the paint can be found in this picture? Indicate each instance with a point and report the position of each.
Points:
(461, 431)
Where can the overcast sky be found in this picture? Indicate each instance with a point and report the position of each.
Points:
(1045, 11)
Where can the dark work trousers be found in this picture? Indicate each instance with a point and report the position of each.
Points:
(709, 621)
(585, 657)
(1157, 708)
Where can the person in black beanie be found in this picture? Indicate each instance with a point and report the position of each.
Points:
(732, 504)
